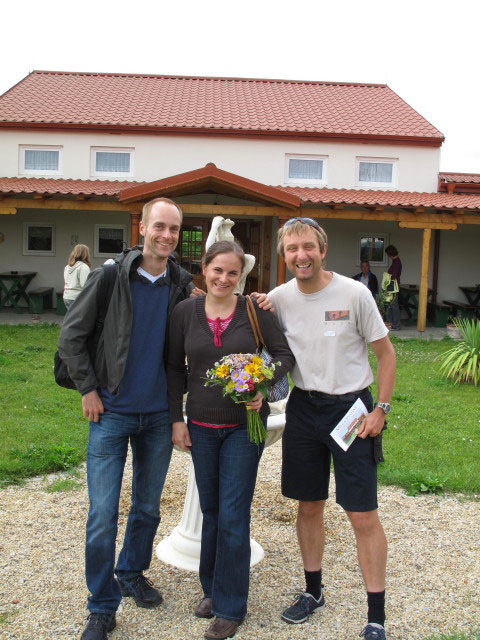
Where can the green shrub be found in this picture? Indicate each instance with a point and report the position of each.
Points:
(461, 363)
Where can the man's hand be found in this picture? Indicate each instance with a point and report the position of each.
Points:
(372, 425)
(92, 406)
(181, 436)
(197, 292)
(263, 301)
(256, 403)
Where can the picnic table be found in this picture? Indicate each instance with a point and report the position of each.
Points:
(13, 285)
(408, 298)
(472, 294)
(471, 307)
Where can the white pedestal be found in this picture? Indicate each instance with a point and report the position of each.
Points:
(182, 547)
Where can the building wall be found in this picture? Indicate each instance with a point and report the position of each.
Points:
(50, 268)
(256, 158)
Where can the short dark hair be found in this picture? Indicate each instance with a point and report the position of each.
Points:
(391, 250)
(147, 207)
(221, 247)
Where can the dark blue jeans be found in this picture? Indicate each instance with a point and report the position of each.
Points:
(226, 464)
(150, 437)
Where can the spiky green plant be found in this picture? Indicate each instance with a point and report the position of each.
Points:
(461, 363)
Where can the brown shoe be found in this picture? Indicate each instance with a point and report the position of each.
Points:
(222, 628)
(204, 608)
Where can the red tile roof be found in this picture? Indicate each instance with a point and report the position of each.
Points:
(307, 195)
(62, 187)
(459, 177)
(216, 105)
(385, 198)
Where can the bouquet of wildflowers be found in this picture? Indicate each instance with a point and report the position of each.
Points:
(242, 376)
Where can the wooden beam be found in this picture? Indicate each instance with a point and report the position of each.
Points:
(134, 229)
(423, 292)
(237, 210)
(8, 210)
(67, 205)
(281, 266)
(393, 216)
(267, 251)
(428, 225)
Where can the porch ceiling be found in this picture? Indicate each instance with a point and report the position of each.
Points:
(210, 179)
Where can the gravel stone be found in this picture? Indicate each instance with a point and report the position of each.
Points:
(433, 575)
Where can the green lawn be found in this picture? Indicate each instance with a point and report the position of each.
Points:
(433, 430)
(41, 428)
(433, 435)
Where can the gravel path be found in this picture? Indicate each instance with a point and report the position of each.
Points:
(433, 572)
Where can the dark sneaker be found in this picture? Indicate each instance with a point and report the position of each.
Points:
(98, 625)
(373, 631)
(302, 608)
(141, 589)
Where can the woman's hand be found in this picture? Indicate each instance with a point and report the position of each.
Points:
(181, 436)
(256, 403)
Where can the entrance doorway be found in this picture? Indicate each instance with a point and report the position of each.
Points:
(194, 235)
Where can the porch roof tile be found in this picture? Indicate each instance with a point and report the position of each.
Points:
(369, 197)
(307, 195)
(63, 187)
(215, 105)
(474, 178)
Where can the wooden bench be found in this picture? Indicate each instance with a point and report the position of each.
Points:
(457, 306)
(40, 299)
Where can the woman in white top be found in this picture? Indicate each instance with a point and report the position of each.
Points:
(75, 273)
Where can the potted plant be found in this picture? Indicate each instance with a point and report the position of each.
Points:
(452, 330)
(386, 295)
(461, 363)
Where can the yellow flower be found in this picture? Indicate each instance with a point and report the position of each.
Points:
(256, 360)
(222, 371)
(252, 369)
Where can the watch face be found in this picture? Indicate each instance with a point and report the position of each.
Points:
(384, 406)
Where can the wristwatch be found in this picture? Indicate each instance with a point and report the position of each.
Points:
(384, 406)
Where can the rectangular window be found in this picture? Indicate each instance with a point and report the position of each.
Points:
(372, 248)
(305, 170)
(113, 163)
(110, 239)
(38, 239)
(376, 172)
(40, 160)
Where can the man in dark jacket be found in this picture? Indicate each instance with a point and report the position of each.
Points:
(124, 395)
(368, 278)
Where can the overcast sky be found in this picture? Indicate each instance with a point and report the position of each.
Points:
(426, 51)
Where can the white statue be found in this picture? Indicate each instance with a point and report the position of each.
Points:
(221, 229)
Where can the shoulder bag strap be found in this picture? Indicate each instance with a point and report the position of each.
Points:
(252, 316)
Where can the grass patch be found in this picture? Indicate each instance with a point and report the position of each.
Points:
(63, 484)
(41, 424)
(432, 443)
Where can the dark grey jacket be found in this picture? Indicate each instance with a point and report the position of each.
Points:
(112, 349)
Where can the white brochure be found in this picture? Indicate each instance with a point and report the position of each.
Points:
(346, 430)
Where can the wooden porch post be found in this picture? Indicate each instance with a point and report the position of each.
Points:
(134, 230)
(281, 266)
(423, 293)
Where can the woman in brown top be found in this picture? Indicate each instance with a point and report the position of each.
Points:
(204, 329)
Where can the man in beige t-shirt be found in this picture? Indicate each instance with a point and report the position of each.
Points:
(328, 320)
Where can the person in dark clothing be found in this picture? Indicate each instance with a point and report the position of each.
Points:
(204, 329)
(395, 270)
(368, 278)
(124, 395)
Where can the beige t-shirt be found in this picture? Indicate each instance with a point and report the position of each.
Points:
(328, 333)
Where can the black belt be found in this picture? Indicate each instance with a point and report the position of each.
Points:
(347, 397)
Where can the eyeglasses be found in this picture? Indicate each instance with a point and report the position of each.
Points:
(310, 221)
